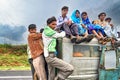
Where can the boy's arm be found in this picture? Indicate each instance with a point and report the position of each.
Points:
(111, 25)
(83, 26)
(59, 22)
(57, 35)
(36, 36)
(71, 20)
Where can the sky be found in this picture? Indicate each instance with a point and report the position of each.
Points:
(16, 15)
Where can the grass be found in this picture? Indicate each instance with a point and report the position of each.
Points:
(13, 57)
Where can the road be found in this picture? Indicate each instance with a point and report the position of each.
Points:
(15, 75)
(25, 75)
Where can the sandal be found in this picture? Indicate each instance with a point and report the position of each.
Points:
(73, 40)
(78, 41)
(102, 41)
(89, 38)
(107, 39)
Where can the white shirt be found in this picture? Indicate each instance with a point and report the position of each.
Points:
(29, 52)
(61, 20)
(109, 32)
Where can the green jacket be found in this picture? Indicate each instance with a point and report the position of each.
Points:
(49, 33)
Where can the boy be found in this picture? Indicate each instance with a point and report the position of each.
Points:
(30, 60)
(101, 24)
(49, 41)
(36, 51)
(110, 31)
(110, 28)
(64, 23)
(101, 19)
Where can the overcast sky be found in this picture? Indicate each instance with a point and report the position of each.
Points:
(17, 13)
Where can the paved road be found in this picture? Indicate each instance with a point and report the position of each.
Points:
(15, 75)
(25, 75)
(20, 75)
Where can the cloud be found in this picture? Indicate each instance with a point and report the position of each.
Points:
(24, 12)
(114, 12)
(12, 12)
(14, 33)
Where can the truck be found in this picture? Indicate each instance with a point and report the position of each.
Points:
(94, 63)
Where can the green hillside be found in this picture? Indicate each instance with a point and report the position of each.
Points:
(13, 57)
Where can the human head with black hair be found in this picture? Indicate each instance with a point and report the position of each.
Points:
(77, 13)
(41, 30)
(102, 16)
(84, 15)
(52, 22)
(108, 19)
(64, 10)
(32, 28)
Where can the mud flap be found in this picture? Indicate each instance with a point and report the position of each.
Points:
(110, 59)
